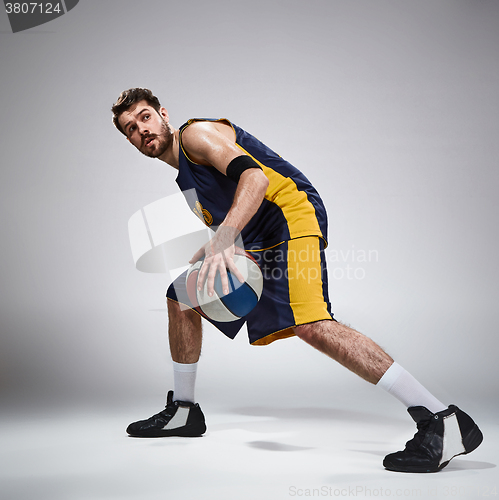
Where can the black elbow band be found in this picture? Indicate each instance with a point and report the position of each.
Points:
(238, 165)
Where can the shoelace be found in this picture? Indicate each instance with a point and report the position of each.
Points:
(418, 438)
(166, 413)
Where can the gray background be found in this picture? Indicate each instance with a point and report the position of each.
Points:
(390, 107)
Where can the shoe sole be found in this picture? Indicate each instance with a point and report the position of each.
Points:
(186, 431)
(471, 442)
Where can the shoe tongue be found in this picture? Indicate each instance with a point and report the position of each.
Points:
(422, 416)
(419, 413)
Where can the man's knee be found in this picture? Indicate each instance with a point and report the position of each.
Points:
(180, 311)
(172, 306)
(304, 332)
(312, 331)
(330, 331)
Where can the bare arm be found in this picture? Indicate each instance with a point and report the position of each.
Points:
(213, 145)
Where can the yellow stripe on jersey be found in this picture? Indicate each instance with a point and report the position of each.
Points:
(295, 205)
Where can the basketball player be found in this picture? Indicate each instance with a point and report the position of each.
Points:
(246, 190)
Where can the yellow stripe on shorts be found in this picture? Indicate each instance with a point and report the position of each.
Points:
(305, 281)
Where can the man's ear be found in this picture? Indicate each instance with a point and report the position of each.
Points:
(164, 113)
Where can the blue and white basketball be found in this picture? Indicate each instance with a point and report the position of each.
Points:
(242, 297)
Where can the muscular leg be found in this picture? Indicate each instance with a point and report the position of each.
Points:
(350, 348)
(365, 358)
(184, 332)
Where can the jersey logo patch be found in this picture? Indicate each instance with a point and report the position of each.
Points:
(203, 214)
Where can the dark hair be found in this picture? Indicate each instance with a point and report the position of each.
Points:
(129, 97)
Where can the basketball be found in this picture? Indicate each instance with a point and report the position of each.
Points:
(242, 297)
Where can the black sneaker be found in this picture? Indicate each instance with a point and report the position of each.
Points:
(441, 436)
(179, 418)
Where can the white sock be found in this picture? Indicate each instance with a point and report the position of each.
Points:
(401, 384)
(184, 381)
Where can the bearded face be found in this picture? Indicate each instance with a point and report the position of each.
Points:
(147, 129)
(154, 145)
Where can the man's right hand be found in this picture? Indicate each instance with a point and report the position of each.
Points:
(218, 257)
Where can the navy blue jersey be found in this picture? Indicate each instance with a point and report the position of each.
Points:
(291, 209)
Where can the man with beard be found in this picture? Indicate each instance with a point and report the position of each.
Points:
(245, 190)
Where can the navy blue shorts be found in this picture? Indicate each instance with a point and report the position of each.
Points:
(295, 291)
